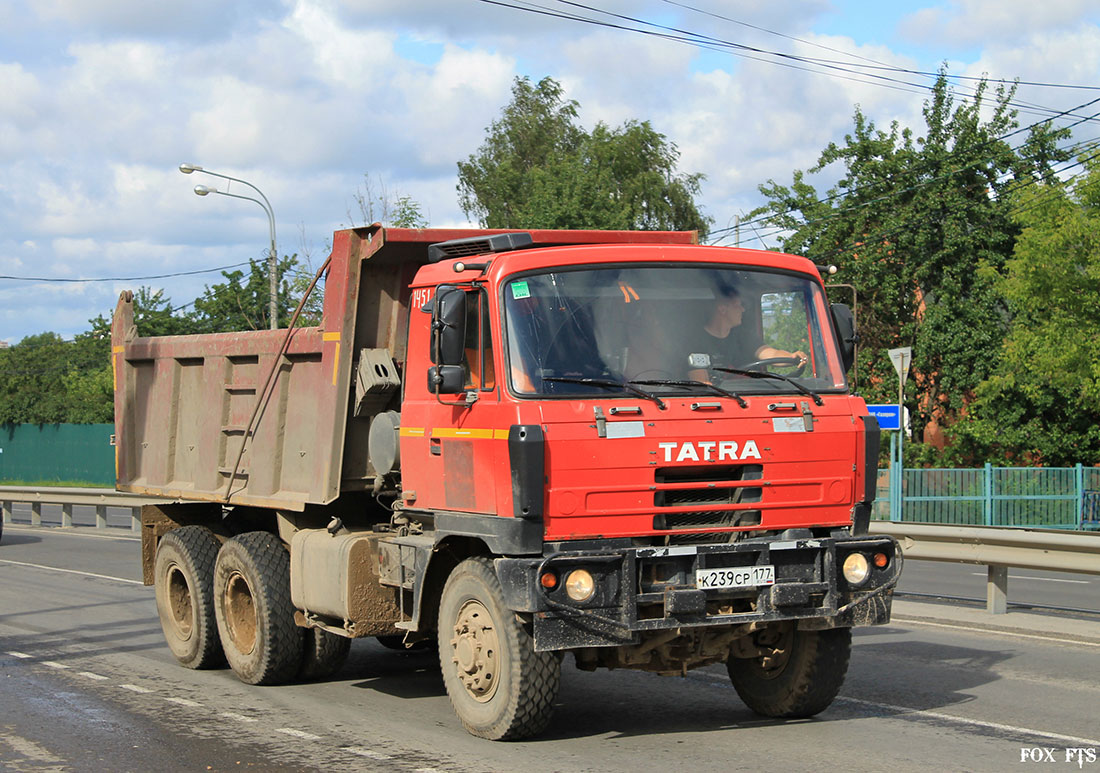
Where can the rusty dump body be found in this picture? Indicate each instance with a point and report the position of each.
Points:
(183, 404)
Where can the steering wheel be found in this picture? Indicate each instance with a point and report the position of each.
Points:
(797, 363)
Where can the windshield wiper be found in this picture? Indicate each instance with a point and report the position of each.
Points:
(626, 386)
(761, 374)
(693, 383)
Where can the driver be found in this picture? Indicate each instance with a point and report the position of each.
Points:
(726, 342)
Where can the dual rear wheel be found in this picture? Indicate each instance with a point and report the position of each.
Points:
(231, 602)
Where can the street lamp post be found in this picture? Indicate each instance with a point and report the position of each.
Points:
(272, 256)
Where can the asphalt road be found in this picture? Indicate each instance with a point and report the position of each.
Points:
(86, 683)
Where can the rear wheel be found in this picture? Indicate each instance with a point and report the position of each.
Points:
(252, 604)
(795, 673)
(499, 686)
(322, 653)
(397, 642)
(183, 575)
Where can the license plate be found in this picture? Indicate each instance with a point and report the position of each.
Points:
(735, 577)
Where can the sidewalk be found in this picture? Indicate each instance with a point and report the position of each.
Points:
(1047, 625)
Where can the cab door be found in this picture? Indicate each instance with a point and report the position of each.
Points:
(449, 441)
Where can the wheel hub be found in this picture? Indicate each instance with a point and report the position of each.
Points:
(240, 613)
(476, 651)
(180, 606)
(776, 644)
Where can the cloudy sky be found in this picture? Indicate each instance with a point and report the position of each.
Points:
(101, 100)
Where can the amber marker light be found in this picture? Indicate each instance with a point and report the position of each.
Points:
(549, 580)
(880, 560)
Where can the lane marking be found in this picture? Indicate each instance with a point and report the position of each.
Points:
(64, 531)
(238, 717)
(298, 733)
(72, 571)
(53, 664)
(90, 675)
(20, 655)
(30, 750)
(183, 702)
(703, 676)
(911, 621)
(368, 753)
(1040, 579)
(974, 722)
(135, 688)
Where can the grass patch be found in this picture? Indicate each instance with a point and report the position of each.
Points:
(57, 484)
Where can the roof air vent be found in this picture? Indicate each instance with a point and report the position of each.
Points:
(479, 245)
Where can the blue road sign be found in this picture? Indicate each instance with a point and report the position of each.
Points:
(887, 416)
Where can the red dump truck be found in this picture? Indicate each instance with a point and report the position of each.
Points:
(513, 446)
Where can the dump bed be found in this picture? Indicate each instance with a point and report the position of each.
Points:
(185, 405)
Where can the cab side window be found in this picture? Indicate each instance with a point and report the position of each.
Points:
(480, 373)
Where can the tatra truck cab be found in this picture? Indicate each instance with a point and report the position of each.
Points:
(514, 446)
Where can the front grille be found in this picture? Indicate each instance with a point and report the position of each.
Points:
(705, 519)
(712, 489)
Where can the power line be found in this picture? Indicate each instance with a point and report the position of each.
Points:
(120, 278)
(863, 188)
(874, 63)
(700, 40)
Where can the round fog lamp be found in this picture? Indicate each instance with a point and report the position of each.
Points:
(580, 586)
(856, 569)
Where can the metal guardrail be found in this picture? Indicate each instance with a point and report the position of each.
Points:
(101, 499)
(997, 549)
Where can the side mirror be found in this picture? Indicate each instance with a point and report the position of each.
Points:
(447, 376)
(446, 379)
(845, 324)
(448, 326)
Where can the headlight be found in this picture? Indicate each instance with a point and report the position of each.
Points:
(856, 569)
(580, 586)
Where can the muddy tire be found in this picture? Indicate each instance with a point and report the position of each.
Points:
(323, 654)
(801, 676)
(183, 579)
(252, 605)
(500, 688)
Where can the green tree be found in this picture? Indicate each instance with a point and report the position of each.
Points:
(922, 227)
(31, 374)
(538, 169)
(1044, 405)
(378, 205)
(241, 302)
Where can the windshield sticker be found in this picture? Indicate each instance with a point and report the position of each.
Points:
(520, 291)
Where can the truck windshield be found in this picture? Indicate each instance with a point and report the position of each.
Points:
(685, 326)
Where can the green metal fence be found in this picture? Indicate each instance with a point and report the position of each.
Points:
(1051, 497)
(69, 453)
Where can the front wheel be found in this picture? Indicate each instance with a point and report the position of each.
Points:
(499, 686)
(793, 673)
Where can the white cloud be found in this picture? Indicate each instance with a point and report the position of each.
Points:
(994, 21)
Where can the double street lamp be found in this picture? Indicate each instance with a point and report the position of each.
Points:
(272, 256)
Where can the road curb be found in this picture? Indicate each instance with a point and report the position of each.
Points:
(1027, 624)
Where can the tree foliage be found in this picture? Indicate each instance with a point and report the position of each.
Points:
(538, 169)
(1043, 406)
(922, 227)
(241, 302)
